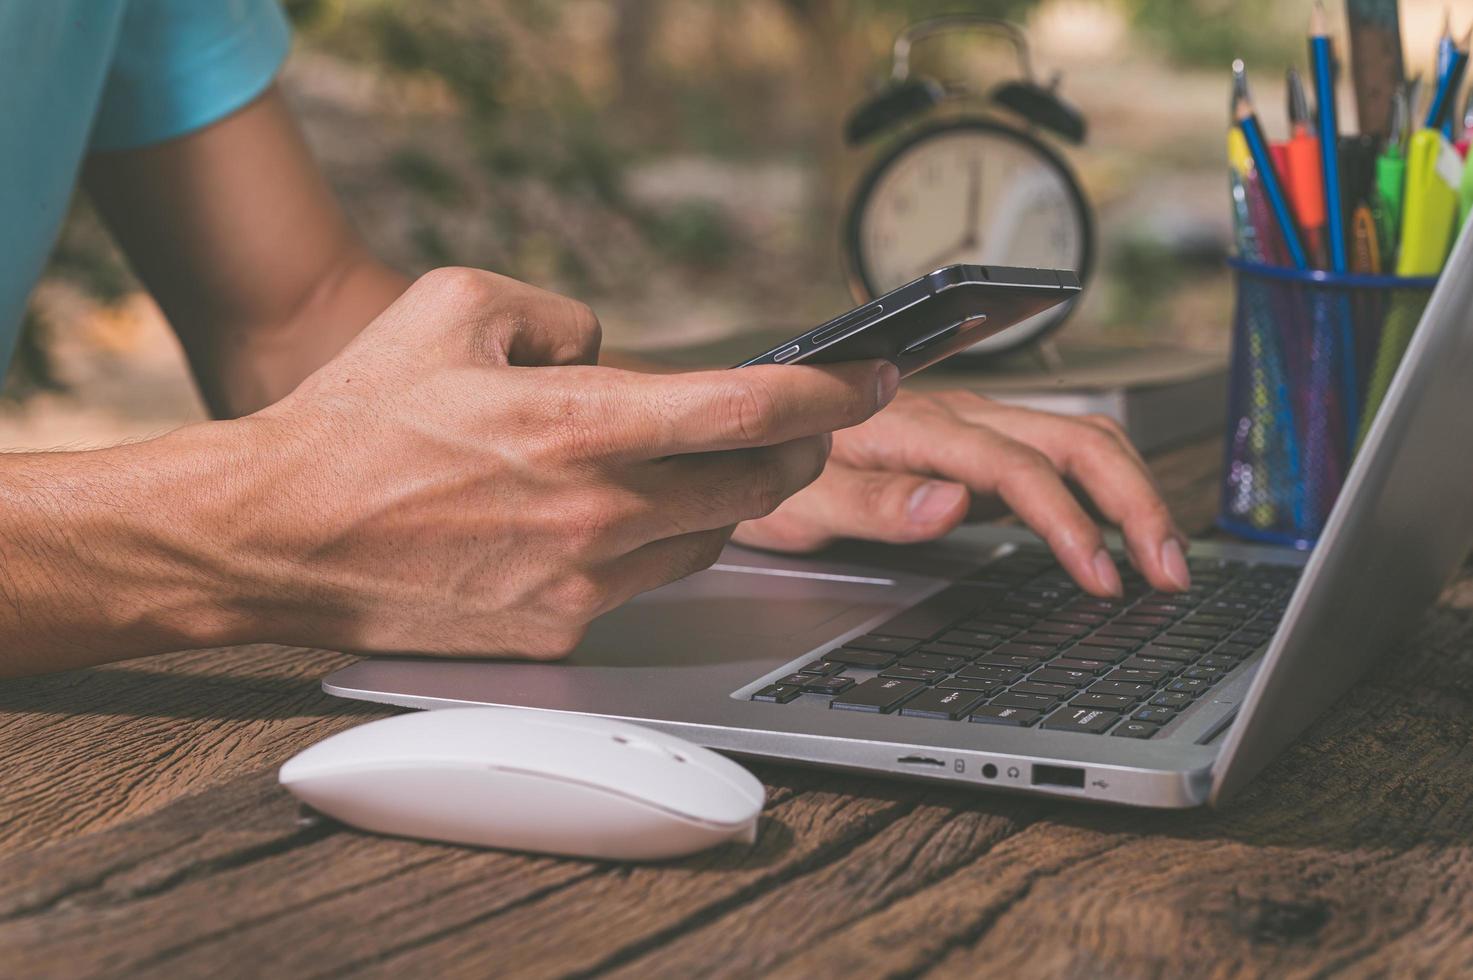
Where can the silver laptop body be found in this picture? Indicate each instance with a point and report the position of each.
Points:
(687, 658)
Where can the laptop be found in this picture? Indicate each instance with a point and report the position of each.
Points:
(975, 660)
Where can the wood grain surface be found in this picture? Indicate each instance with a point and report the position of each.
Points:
(143, 834)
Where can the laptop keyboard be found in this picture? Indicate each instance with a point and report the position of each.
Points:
(1019, 644)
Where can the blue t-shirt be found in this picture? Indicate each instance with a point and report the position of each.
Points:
(83, 75)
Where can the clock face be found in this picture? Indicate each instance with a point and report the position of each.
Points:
(974, 194)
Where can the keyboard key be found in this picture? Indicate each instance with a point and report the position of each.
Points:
(1183, 642)
(1136, 729)
(1032, 638)
(1090, 652)
(949, 704)
(793, 680)
(931, 661)
(1122, 689)
(992, 629)
(972, 638)
(1053, 691)
(825, 667)
(1192, 687)
(1008, 619)
(991, 672)
(880, 694)
(1167, 653)
(1200, 632)
(883, 644)
(1129, 632)
(933, 615)
(1216, 661)
(1096, 639)
(1161, 608)
(1095, 605)
(1053, 674)
(1072, 719)
(1171, 699)
(1031, 701)
(992, 714)
(1233, 649)
(1155, 716)
(951, 650)
(779, 693)
(913, 674)
(1079, 618)
(1207, 619)
(1201, 674)
(1017, 663)
(1135, 619)
(827, 685)
(983, 687)
(1075, 663)
(1110, 702)
(861, 658)
(1063, 629)
(1136, 675)
(1035, 650)
(1152, 663)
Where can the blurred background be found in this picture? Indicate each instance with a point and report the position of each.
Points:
(678, 165)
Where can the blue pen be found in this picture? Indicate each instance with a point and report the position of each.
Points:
(1439, 116)
(1263, 162)
(1322, 59)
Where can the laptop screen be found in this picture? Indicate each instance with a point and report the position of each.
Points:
(1400, 527)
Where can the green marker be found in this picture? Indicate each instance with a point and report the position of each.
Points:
(1391, 172)
(1465, 190)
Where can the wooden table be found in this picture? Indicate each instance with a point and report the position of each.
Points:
(142, 833)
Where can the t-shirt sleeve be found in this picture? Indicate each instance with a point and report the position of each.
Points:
(182, 64)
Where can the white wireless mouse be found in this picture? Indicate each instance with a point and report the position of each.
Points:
(529, 781)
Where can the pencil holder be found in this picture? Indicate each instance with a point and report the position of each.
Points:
(1313, 354)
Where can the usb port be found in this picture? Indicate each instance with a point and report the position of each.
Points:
(1058, 776)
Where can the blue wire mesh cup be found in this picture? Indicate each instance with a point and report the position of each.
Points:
(1313, 354)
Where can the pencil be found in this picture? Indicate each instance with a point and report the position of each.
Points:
(1322, 57)
(1263, 162)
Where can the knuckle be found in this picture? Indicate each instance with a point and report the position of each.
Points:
(767, 489)
(750, 409)
(580, 597)
(585, 323)
(882, 497)
(556, 642)
(459, 282)
(1106, 423)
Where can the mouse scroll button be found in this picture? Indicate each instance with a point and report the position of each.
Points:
(786, 354)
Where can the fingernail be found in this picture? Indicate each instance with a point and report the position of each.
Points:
(888, 383)
(1175, 563)
(932, 501)
(1106, 573)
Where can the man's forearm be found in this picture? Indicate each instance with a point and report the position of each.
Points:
(116, 553)
(268, 360)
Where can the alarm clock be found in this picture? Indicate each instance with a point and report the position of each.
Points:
(967, 187)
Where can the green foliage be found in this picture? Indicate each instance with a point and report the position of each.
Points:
(696, 232)
(1216, 31)
(427, 176)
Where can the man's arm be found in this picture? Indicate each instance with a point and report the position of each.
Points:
(238, 236)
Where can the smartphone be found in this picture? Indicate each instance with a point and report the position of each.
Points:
(930, 319)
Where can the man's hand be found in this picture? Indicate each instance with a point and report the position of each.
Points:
(916, 471)
(461, 479)
(440, 488)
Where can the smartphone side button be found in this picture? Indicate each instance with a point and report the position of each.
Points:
(786, 354)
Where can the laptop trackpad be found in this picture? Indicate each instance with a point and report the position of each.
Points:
(723, 615)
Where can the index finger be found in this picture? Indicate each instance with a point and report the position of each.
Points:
(707, 411)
